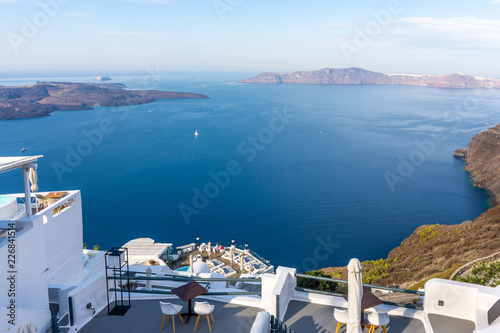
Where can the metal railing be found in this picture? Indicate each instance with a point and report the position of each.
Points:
(186, 279)
(368, 285)
(279, 327)
(55, 325)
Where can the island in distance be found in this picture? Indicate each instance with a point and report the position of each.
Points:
(42, 98)
(359, 76)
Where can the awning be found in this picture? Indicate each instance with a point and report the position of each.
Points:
(17, 162)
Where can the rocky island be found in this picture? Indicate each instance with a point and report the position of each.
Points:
(359, 76)
(42, 98)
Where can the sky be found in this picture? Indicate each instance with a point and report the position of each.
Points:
(395, 36)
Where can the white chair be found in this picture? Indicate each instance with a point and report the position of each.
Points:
(170, 310)
(203, 309)
(341, 316)
(378, 319)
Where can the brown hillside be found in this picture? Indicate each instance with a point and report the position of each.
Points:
(433, 249)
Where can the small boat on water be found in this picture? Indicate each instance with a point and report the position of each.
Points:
(24, 149)
(196, 133)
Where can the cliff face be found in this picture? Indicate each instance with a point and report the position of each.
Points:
(359, 76)
(483, 161)
(433, 249)
(45, 97)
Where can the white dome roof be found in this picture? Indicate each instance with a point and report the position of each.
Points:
(200, 267)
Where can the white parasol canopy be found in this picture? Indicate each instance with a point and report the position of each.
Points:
(34, 180)
(209, 250)
(191, 265)
(355, 294)
(27, 327)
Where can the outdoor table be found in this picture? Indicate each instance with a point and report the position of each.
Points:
(187, 292)
(369, 300)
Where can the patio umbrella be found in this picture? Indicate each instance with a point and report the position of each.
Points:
(34, 180)
(191, 265)
(209, 249)
(27, 327)
(355, 294)
(241, 263)
(148, 282)
(231, 254)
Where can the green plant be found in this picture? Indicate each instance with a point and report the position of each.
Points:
(317, 284)
(374, 269)
(95, 247)
(486, 274)
(428, 233)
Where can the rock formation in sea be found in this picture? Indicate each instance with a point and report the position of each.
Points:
(460, 153)
(359, 76)
(103, 78)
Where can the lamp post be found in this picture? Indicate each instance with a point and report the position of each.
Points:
(246, 248)
(197, 242)
(232, 244)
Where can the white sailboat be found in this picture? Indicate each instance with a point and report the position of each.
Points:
(196, 133)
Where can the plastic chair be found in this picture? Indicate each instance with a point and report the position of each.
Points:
(170, 310)
(378, 319)
(341, 317)
(203, 309)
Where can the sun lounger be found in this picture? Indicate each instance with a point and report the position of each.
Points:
(214, 264)
(255, 267)
(226, 271)
(248, 260)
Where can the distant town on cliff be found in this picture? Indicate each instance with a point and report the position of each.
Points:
(359, 76)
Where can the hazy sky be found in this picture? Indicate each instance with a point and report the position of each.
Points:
(399, 36)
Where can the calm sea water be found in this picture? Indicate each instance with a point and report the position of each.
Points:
(318, 174)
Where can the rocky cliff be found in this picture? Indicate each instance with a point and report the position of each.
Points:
(42, 98)
(433, 250)
(483, 161)
(359, 76)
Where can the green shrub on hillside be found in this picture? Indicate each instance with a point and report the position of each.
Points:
(374, 269)
(317, 284)
(428, 233)
(486, 274)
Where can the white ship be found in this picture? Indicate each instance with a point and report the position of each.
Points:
(52, 284)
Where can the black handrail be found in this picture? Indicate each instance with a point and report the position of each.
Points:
(415, 292)
(186, 278)
(210, 293)
(279, 327)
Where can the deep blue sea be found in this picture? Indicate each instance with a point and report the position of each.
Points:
(308, 175)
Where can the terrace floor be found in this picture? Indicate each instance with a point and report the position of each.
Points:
(302, 317)
(146, 316)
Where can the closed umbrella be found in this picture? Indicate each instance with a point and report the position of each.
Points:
(231, 254)
(209, 249)
(191, 265)
(355, 294)
(241, 263)
(149, 283)
(27, 327)
(34, 180)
